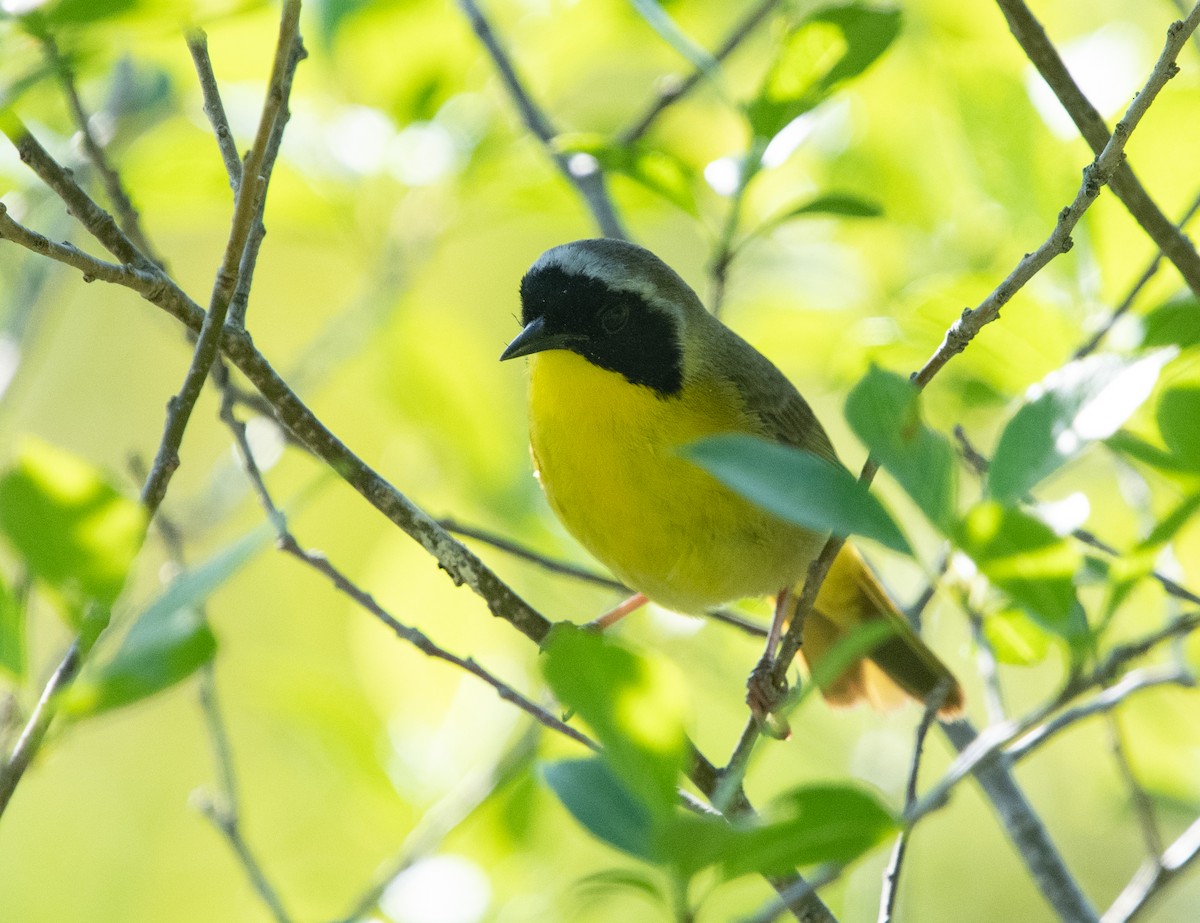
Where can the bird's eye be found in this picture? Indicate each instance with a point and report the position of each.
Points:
(613, 318)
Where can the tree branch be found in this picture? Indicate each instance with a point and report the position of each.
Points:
(1042, 54)
(580, 170)
(1153, 876)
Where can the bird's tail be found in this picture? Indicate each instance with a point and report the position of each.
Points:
(900, 666)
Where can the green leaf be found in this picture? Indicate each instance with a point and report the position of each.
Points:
(636, 705)
(797, 486)
(596, 798)
(74, 529)
(1015, 638)
(1175, 323)
(884, 412)
(1178, 416)
(842, 204)
(1023, 557)
(169, 641)
(657, 170)
(1140, 450)
(807, 826)
(825, 49)
(13, 656)
(816, 824)
(1073, 406)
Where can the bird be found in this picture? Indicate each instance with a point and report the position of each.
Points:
(626, 369)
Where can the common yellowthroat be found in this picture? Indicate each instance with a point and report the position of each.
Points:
(626, 368)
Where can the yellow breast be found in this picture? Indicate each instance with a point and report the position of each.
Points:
(607, 456)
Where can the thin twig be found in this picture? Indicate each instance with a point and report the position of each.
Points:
(993, 697)
(34, 732)
(227, 823)
(214, 108)
(891, 875)
(1128, 301)
(798, 892)
(286, 542)
(1143, 804)
(1044, 56)
(443, 818)
(248, 206)
(980, 465)
(674, 89)
(997, 738)
(724, 616)
(1153, 876)
(1106, 701)
(126, 214)
(581, 171)
(241, 294)
(1024, 827)
(1095, 175)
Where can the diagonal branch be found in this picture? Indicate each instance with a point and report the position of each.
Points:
(1155, 875)
(1125, 185)
(249, 198)
(675, 89)
(581, 171)
(127, 214)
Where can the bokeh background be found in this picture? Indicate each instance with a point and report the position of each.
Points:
(407, 202)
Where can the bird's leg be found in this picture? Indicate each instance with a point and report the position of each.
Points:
(614, 615)
(763, 695)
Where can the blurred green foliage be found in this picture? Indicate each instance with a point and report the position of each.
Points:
(851, 177)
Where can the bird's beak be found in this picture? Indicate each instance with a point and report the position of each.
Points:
(535, 339)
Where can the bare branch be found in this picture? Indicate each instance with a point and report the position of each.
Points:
(1023, 826)
(1043, 55)
(1128, 300)
(214, 108)
(1153, 876)
(891, 875)
(418, 639)
(1110, 698)
(581, 171)
(245, 214)
(127, 216)
(995, 740)
(980, 466)
(227, 823)
(1143, 804)
(673, 90)
(1095, 175)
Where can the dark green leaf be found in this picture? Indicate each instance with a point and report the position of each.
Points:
(797, 486)
(842, 204)
(811, 825)
(636, 706)
(82, 12)
(1178, 415)
(1023, 557)
(825, 49)
(1175, 323)
(169, 641)
(12, 633)
(1071, 407)
(73, 528)
(1138, 449)
(884, 412)
(817, 823)
(597, 799)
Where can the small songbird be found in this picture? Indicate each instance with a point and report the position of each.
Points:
(627, 367)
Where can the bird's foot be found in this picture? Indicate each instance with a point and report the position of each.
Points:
(764, 695)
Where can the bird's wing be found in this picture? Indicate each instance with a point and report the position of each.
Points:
(773, 402)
